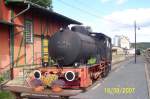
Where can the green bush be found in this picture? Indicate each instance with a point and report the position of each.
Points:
(6, 95)
(1, 80)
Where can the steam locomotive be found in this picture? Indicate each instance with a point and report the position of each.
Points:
(82, 57)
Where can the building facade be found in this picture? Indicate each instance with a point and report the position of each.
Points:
(24, 27)
(122, 41)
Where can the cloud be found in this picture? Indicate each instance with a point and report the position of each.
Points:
(118, 2)
(122, 23)
(126, 18)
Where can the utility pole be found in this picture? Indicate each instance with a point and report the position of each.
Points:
(135, 38)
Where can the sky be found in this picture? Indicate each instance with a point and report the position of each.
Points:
(111, 17)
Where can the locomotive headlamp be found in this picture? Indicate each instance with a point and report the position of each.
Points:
(70, 75)
(37, 74)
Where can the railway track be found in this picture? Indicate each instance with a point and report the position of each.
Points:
(147, 68)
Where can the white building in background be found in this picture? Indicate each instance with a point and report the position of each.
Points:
(116, 41)
(122, 41)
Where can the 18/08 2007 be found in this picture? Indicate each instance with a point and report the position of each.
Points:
(118, 90)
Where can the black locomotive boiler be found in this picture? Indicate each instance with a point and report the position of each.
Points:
(78, 45)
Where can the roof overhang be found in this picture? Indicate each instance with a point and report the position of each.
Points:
(49, 12)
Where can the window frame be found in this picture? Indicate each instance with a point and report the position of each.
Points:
(27, 21)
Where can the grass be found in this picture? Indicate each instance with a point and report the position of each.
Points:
(6, 95)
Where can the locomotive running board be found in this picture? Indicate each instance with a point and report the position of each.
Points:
(18, 90)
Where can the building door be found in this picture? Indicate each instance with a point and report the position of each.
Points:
(37, 50)
(4, 47)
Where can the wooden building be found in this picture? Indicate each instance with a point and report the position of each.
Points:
(23, 28)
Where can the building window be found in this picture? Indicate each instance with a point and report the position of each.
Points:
(29, 31)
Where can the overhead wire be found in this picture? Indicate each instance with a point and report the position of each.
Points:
(88, 6)
(89, 13)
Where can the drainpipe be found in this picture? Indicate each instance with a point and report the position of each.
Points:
(21, 12)
(12, 38)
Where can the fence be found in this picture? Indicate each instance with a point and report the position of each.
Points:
(5, 75)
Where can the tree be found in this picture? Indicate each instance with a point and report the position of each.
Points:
(44, 3)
